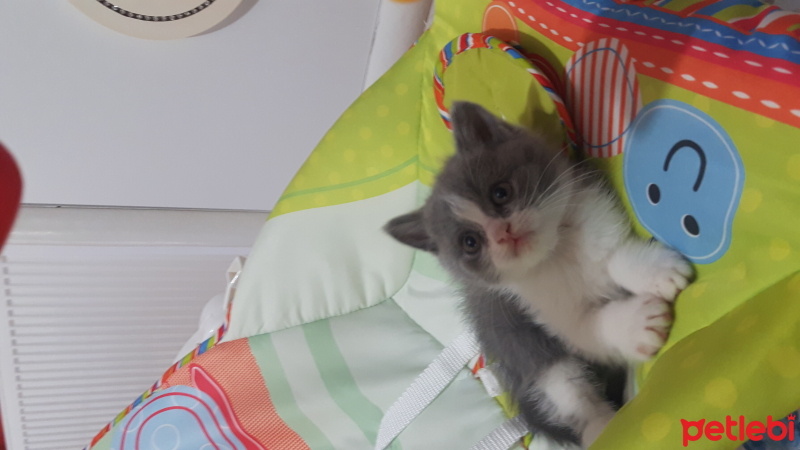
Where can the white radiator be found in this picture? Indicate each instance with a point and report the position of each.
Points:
(96, 304)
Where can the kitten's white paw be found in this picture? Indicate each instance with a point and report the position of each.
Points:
(650, 328)
(637, 327)
(671, 275)
(650, 269)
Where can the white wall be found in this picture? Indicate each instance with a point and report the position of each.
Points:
(221, 120)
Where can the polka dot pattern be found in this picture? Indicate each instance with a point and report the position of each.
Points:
(358, 194)
(785, 361)
(372, 149)
(779, 249)
(793, 286)
(751, 200)
(739, 272)
(765, 122)
(403, 128)
(720, 393)
(656, 426)
(692, 361)
(697, 289)
(793, 167)
(747, 324)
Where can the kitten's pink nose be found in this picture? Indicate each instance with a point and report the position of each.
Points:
(502, 232)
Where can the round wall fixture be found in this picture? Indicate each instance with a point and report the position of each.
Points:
(158, 19)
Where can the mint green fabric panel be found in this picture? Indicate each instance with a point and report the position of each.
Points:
(332, 381)
(278, 386)
(338, 380)
(385, 350)
(433, 304)
(323, 262)
(459, 418)
(426, 263)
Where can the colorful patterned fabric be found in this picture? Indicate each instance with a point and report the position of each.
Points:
(161, 382)
(692, 108)
(471, 41)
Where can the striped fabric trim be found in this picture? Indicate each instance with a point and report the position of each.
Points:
(471, 41)
(704, 60)
(183, 362)
(233, 280)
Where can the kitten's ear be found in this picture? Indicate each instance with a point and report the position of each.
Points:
(410, 230)
(475, 127)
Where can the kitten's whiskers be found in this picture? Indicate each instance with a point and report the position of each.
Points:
(541, 176)
(562, 191)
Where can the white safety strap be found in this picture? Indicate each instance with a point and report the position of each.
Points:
(426, 387)
(504, 436)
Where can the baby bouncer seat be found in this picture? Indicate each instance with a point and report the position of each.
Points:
(340, 338)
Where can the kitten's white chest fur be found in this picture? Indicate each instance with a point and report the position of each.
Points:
(595, 262)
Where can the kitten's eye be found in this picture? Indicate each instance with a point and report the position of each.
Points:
(501, 193)
(471, 243)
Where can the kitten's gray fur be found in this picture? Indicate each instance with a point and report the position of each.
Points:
(552, 278)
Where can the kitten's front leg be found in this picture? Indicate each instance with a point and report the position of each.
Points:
(637, 327)
(649, 268)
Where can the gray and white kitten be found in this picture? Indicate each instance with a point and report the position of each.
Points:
(553, 278)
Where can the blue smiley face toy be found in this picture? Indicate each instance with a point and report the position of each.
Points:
(684, 178)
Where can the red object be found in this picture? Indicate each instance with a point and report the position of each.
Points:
(10, 193)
